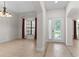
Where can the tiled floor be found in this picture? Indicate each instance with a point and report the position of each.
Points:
(26, 48)
(19, 48)
(74, 50)
(60, 50)
(57, 50)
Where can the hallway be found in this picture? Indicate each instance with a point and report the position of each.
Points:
(61, 50)
(57, 50)
(25, 48)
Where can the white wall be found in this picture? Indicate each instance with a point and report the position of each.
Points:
(11, 28)
(8, 28)
(51, 14)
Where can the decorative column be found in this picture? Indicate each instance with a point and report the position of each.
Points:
(41, 28)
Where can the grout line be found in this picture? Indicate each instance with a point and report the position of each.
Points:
(69, 51)
(45, 50)
(64, 45)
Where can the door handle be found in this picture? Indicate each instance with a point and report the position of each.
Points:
(52, 30)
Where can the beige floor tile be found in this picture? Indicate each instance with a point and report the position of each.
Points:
(26, 48)
(19, 48)
(57, 50)
(75, 48)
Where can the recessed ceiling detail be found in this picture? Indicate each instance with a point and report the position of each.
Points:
(52, 5)
(29, 6)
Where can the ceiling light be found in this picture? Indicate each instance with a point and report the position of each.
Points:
(4, 13)
(56, 2)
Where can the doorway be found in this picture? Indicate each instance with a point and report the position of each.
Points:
(55, 29)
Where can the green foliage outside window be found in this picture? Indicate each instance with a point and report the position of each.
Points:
(58, 25)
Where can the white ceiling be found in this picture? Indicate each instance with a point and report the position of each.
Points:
(52, 5)
(29, 6)
(20, 6)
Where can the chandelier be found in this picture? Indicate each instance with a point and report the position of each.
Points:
(4, 13)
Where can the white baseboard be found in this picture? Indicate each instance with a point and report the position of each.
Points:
(7, 40)
(40, 49)
(50, 40)
(68, 44)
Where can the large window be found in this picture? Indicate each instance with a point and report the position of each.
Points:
(55, 28)
(30, 26)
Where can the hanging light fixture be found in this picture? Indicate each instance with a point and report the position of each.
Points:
(4, 13)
